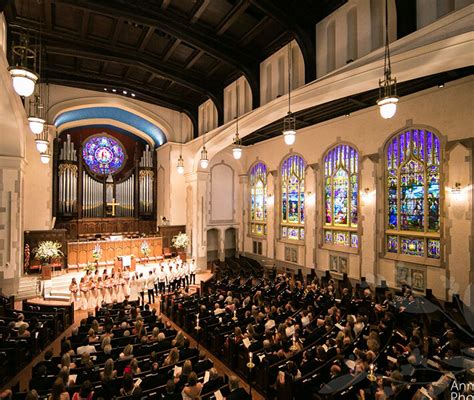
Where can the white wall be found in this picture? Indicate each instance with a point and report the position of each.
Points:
(447, 110)
(274, 73)
(207, 117)
(241, 86)
(222, 193)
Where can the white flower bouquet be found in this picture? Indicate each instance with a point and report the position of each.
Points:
(47, 250)
(180, 241)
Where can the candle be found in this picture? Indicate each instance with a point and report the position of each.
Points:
(371, 368)
(250, 356)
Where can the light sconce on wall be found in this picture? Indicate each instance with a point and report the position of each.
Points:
(456, 189)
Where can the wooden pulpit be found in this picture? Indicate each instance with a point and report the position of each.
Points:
(46, 272)
(124, 261)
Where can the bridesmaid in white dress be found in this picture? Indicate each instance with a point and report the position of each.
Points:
(108, 289)
(74, 289)
(134, 287)
(100, 291)
(126, 286)
(119, 288)
(92, 301)
(83, 287)
(115, 287)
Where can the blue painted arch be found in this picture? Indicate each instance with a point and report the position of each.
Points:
(117, 114)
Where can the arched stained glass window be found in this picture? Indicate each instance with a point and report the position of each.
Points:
(341, 186)
(292, 198)
(413, 194)
(103, 154)
(258, 199)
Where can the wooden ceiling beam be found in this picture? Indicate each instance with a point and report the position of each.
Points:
(85, 23)
(171, 48)
(146, 38)
(232, 16)
(193, 58)
(117, 29)
(174, 25)
(250, 35)
(48, 14)
(198, 10)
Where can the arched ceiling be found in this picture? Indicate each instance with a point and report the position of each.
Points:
(114, 116)
(175, 53)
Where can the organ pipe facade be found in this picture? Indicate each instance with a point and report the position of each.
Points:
(82, 192)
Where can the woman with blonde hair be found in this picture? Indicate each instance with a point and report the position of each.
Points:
(127, 352)
(192, 390)
(58, 392)
(66, 362)
(178, 341)
(109, 371)
(172, 358)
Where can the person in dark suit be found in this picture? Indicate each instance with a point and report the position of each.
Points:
(170, 392)
(236, 392)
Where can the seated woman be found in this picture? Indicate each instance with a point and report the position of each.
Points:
(58, 392)
(127, 352)
(132, 368)
(85, 393)
(109, 371)
(181, 378)
(23, 332)
(192, 390)
(172, 358)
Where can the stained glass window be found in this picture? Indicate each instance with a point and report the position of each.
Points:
(413, 194)
(258, 199)
(292, 198)
(341, 186)
(103, 154)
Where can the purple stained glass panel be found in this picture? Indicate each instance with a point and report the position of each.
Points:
(103, 155)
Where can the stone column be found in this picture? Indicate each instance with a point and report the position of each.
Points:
(11, 222)
(197, 181)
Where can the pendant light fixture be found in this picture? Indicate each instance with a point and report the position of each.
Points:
(36, 118)
(45, 157)
(42, 142)
(237, 147)
(289, 122)
(180, 166)
(204, 160)
(388, 98)
(23, 72)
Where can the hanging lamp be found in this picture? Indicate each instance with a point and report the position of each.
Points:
(289, 122)
(388, 98)
(237, 145)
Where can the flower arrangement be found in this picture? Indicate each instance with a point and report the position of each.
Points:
(180, 241)
(96, 252)
(47, 250)
(145, 248)
(89, 267)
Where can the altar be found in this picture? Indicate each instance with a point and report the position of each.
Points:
(113, 252)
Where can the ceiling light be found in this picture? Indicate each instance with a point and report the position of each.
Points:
(289, 122)
(124, 92)
(105, 89)
(24, 81)
(204, 161)
(45, 157)
(180, 167)
(388, 98)
(133, 94)
(42, 145)
(289, 128)
(36, 124)
(237, 152)
(114, 90)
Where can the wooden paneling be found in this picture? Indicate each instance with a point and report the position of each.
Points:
(88, 228)
(80, 253)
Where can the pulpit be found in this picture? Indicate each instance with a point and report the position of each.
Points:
(46, 272)
(124, 261)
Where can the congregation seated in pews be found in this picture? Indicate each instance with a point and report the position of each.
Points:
(324, 339)
(124, 351)
(24, 333)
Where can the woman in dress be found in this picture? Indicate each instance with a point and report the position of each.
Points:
(91, 298)
(84, 288)
(100, 291)
(119, 288)
(107, 289)
(126, 286)
(115, 288)
(73, 289)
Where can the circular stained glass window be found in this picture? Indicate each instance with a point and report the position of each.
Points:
(103, 154)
